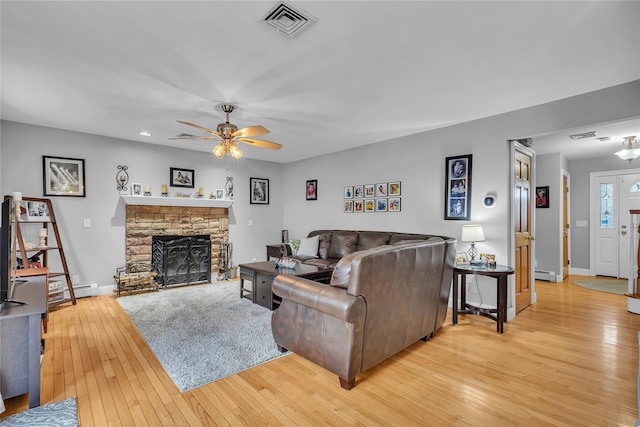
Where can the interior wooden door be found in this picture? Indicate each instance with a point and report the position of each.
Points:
(522, 223)
(565, 226)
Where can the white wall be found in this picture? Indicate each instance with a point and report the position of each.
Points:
(95, 253)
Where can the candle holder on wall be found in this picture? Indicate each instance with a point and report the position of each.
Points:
(122, 178)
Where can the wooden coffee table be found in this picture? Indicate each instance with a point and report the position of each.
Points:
(261, 275)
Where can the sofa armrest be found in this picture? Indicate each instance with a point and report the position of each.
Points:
(326, 299)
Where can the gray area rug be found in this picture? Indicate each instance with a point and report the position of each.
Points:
(58, 414)
(202, 333)
(612, 286)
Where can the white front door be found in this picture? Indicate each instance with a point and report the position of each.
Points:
(612, 196)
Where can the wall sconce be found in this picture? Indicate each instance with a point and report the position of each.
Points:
(122, 178)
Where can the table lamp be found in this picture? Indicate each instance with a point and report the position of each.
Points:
(472, 233)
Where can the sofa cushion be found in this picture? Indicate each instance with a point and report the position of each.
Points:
(342, 243)
(294, 244)
(372, 239)
(397, 237)
(325, 242)
(319, 262)
(342, 272)
(309, 247)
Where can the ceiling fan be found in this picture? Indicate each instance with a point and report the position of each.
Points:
(229, 136)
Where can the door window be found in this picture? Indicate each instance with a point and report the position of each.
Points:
(606, 205)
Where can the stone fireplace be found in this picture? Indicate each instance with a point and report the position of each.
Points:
(146, 221)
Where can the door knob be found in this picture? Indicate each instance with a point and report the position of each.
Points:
(530, 237)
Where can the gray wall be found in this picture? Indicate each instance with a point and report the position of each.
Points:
(417, 161)
(548, 221)
(94, 253)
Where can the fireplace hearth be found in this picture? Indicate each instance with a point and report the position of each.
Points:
(181, 260)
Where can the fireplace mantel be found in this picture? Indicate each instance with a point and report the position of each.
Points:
(176, 201)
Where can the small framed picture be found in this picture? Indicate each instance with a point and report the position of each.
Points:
(370, 190)
(37, 211)
(542, 197)
(312, 189)
(179, 177)
(369, 205)
(394, 204)
(136, 189)
(358, 191)
(462, 258)
(358, 205)
(348, 192)
(394, 188)
(63, 176)
(220, 194)
(381, 205)
(259, 191)
(348, 206)
(382, 189)
(490, 259)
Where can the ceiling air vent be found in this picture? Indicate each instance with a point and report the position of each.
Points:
(583, 135)
(287, 19)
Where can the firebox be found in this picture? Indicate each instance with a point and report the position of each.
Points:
(181, 260)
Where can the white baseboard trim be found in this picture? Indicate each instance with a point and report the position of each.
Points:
(580, 271)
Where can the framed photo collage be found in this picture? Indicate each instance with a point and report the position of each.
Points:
(380, 197)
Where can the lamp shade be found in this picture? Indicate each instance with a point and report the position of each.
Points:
(472, 233)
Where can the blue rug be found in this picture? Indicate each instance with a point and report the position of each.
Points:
(202, 333)
(56, 414)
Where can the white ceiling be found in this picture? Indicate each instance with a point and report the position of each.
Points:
(366, 71)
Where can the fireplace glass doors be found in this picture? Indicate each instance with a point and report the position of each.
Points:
(181, 260)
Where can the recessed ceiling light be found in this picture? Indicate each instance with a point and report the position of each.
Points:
(144, 133)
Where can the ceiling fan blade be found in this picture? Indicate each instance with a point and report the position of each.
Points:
(213, 132)
(214, 137)
(251, 131)
(260, 143)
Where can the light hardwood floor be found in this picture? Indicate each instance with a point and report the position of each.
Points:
(570, 359)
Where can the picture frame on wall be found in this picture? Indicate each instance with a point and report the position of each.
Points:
(381, 205)
(348, 192)
(180, 177)
(394, 188)
(63, 176)
(259, 191)
(369, 205)
(369, 190)
(358, 191)
(542, 197)
(394, 204)
(382, 189)
(348, 206)
(358, 205)
(457, 192)
(312, 189)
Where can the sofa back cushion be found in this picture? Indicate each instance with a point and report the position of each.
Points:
(397, 237)
(325, 242)
(371, 239)
(342, 243)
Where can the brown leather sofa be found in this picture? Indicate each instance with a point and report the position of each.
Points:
(379, 301)
(336, 244)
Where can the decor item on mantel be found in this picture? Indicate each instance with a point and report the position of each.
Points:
(228, 187)
(122, 179)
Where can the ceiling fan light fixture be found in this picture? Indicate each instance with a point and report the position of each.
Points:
(235, 151)
(219, 150)
(628, 153)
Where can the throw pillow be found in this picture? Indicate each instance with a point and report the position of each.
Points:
(294, 244)
(309, 247)
(342, 243)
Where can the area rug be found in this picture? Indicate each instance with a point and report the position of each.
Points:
(612, 286)
(58, 414)
(202, 333)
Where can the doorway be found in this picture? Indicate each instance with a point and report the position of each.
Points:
(523, 181)
(612, 195)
